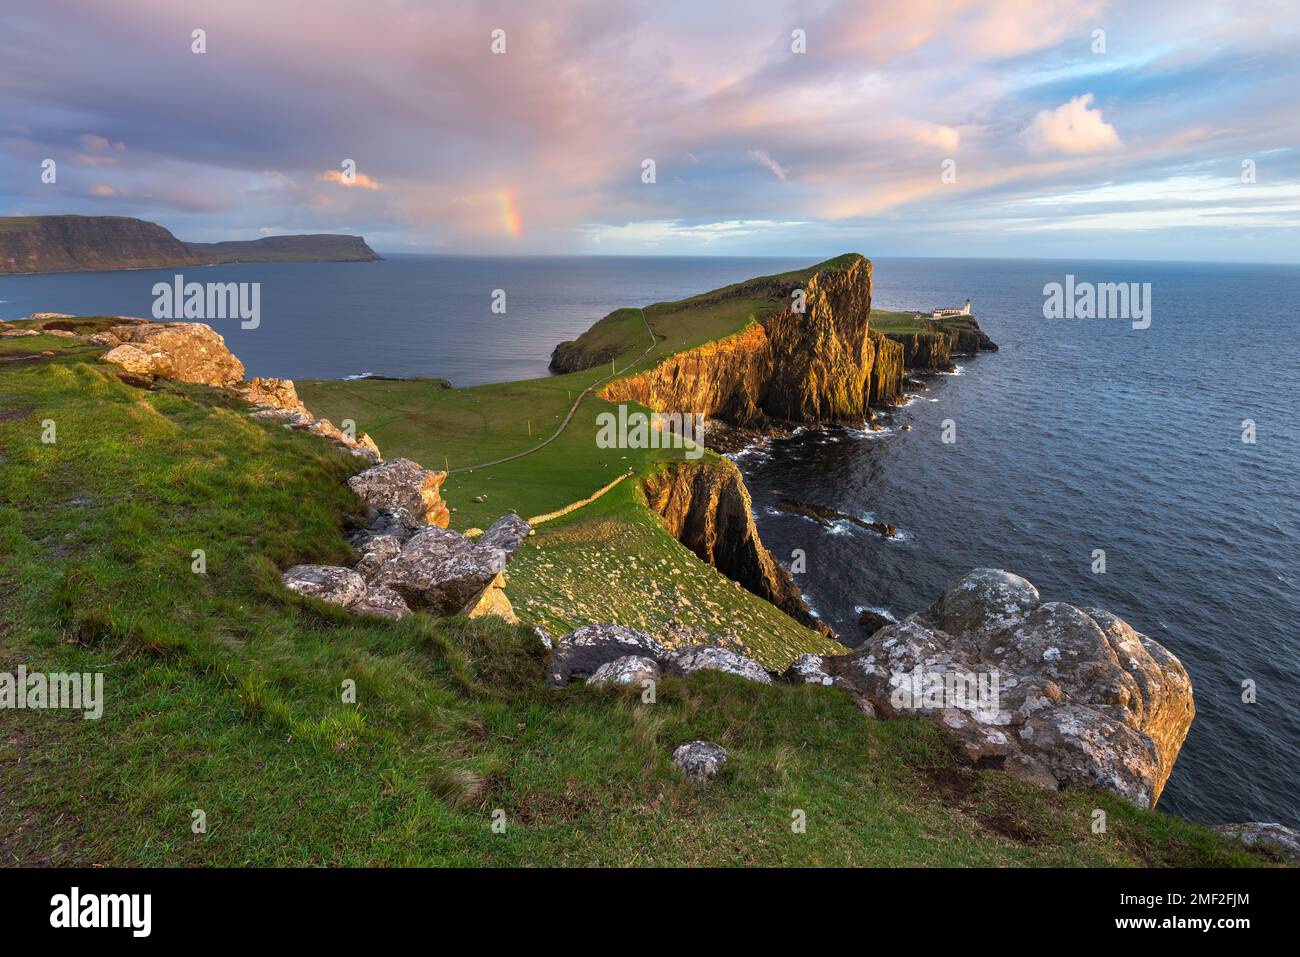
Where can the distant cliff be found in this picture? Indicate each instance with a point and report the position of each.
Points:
(37, 244)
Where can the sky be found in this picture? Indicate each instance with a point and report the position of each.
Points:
(1008, 128)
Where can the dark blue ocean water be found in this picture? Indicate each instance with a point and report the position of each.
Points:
(1077, 435)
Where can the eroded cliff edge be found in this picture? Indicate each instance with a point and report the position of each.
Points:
(706, 507)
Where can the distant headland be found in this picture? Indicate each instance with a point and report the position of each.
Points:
(39, 244)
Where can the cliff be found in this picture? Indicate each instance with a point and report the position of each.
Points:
(818, 366)
(39, 244)
(706, 507)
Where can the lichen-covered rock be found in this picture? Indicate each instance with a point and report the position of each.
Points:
(439, 570)
(688, 660)
(628, 670)
(382, 603)
(1055, 694)
(700, 760)
(185, 351)
(505, 535)
(375, 550)
(339, 586)
(582, 651)
(985, 598)
(1278, 838)
(271, 393)
(808, 669)
(403, 484)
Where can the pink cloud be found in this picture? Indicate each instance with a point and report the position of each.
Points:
(1072, 127)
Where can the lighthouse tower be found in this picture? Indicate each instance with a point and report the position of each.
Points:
(966, 310)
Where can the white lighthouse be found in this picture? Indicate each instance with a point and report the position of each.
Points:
(966, 309)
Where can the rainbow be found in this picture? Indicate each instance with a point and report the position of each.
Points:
(510, 213)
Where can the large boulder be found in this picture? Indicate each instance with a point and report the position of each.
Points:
(382, 603)
(403, 484)
(693, 658)
(439, 570)
(375, 551)
(185, 351)
(628, 670)
(582, 651)
(1055, 694)
(338, 586)
(505, 535)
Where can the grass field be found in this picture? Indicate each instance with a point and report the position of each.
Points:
(222, 693)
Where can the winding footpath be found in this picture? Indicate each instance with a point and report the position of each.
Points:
(572, 409)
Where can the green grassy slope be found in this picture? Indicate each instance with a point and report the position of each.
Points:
(223, 694)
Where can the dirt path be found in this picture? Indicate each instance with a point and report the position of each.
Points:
(572, 409)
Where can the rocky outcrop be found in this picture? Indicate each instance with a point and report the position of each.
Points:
(628, 670)
(584, 650)
(596, 649)
(706, 506)
(693, 658)
(1058, 695)
(184, 351)
(404, 487)
(933, 350)
(407, 566)
(811, 367)
(440, 571)
(194, 352)
(338, 586)
(925, 351)
(570, 356)
(700, 760)
(33, 244)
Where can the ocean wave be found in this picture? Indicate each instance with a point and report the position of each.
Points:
(880, 610)
(359, 375)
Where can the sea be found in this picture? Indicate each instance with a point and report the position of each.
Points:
(1173, 449)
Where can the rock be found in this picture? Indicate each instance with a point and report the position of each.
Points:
(61, 333)
(290, 418)
(339, 586)
(376, 550)
(402, 484)
(628, 670)
(871, 622)
(185, 351)
(583, 650)
(700, 760)
(985, 598)
(808, 670)
(1278, 838)
(1055, 694)
(106, 339)
(381, 602)
(543, 637)
(439, 570)
(685, 661)
(271, 394)
(505, 535)
(18, 333)
(491, 600)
